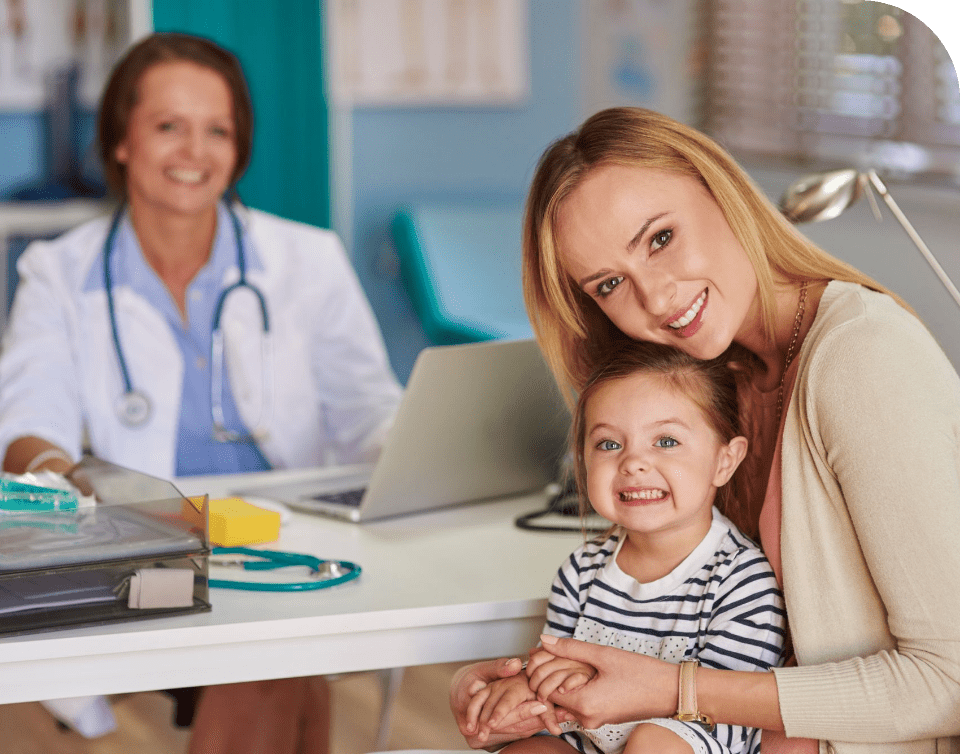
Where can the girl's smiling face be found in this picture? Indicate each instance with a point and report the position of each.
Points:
(653, 461)
(654, 251)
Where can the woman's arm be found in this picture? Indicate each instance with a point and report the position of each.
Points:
(878, 456)
(746, 632)
(629, 686)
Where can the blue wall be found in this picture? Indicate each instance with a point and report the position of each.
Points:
(403, 155)
(21, 158)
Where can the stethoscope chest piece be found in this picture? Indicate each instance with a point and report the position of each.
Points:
(133, 409)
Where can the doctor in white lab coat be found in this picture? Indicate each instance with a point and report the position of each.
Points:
(322, 392)
(139, 386)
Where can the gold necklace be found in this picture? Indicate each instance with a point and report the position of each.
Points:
(797, 322)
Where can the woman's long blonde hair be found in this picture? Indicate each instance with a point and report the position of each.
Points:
(572, 331)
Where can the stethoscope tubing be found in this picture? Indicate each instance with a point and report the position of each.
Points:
(111, 309)
(133, 408)
(270, 560)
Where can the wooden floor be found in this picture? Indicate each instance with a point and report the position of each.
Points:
(421, 720)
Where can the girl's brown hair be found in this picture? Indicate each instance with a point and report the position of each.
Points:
(572, 331)
(120, 97)
(711, 385)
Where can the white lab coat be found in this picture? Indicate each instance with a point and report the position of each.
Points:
(334, 394)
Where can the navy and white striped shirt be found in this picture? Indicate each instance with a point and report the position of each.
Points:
(721, 605)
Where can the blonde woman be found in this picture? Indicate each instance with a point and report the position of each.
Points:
(639, 227)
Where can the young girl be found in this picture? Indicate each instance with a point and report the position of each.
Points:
(657, 438)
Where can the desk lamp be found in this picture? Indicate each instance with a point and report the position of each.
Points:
(824, 196)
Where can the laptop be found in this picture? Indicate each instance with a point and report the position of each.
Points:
(477, 421)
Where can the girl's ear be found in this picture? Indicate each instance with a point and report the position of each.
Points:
(728, 459)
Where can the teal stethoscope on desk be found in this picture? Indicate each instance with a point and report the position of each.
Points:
(133, 406)
(324, 573)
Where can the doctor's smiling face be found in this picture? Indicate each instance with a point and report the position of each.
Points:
(180, 148)
(654, 251)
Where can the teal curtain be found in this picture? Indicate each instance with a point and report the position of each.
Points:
(279, 45)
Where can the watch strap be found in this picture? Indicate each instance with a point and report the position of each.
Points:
(688, 711)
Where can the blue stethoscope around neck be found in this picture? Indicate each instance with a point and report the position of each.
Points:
(133, 407)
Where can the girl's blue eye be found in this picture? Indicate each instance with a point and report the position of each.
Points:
(219, 131)
(608, 445)
(666, 442)
(166, 126)
(661, 239)
(606, 287)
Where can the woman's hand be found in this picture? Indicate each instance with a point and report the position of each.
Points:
(627, 686)
(469, 691)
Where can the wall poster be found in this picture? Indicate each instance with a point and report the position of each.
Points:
(644, 53)
(428, 52)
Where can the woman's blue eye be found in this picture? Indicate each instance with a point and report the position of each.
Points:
(608, 445)
(666, 442)
(166, 126)
(219, 131)
(606, 287)
(661, 239)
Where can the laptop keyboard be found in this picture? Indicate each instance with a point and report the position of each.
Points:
(347, 498)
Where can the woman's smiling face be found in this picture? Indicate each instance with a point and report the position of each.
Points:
(654, 251)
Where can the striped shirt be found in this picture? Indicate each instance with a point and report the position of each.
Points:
(721, 605)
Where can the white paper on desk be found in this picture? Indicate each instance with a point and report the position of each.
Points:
(161, 587)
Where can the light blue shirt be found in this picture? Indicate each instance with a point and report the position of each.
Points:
(197, 451)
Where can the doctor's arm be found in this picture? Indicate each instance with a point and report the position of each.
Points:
(358, 387)
(35, 454)
(40, 421)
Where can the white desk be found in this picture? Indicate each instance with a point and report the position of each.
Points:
(454, 585)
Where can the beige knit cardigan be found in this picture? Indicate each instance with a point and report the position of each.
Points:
(871, 533)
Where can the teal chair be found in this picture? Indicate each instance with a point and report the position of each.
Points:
(460, 264)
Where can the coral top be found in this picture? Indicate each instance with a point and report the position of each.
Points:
(773, 741)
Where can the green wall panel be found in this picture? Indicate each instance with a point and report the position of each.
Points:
(279, 46)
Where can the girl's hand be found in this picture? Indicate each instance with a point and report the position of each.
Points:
(556, 674)
(468, 693)
(627, 686)
(497, 700)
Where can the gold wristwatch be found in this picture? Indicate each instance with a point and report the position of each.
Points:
(687, 709)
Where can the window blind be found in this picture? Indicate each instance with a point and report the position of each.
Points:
(850, 81)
